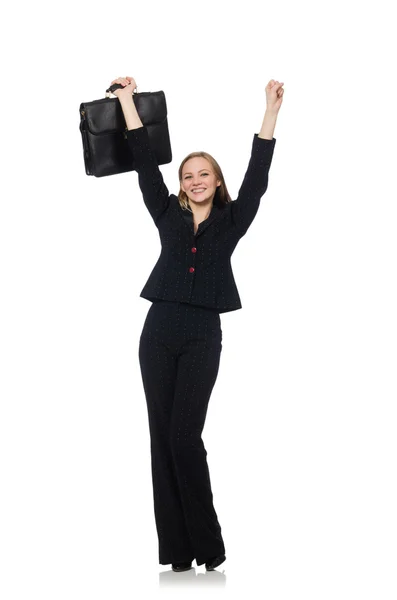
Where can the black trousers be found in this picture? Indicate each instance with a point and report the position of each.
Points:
(179, 355)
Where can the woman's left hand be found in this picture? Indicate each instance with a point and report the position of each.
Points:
(274, 95)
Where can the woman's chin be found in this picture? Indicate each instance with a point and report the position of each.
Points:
(202, 198)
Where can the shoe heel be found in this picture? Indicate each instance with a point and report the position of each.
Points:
(212, 564)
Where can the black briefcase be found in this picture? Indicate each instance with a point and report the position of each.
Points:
(103, 130)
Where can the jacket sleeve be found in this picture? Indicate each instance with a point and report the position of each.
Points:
(254, 184)
(154, 191)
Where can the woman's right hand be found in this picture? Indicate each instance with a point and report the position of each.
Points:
(128, 84)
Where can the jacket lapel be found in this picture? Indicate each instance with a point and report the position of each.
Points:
(215, 213)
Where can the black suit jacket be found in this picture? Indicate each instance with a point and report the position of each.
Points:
(196, 268)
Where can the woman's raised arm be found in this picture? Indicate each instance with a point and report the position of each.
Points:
(154, 191)
(256, 178)
(130, 112)
(127, 104)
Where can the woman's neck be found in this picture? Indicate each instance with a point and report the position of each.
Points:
(201, 212)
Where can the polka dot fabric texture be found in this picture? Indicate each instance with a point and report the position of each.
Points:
(196, 268)
(179, 354)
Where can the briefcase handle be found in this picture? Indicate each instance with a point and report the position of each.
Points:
(116, 86)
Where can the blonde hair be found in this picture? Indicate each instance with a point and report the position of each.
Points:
(221, 197)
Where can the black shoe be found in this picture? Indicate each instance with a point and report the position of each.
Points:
(211, 564)
(182, 566)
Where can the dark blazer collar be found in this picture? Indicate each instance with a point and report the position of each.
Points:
(214, 214)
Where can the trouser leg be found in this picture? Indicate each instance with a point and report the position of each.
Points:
(159, 367)
(197, 372)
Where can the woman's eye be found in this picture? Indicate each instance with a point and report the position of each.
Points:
(188, 176)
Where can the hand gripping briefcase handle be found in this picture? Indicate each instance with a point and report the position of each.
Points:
(103, 130)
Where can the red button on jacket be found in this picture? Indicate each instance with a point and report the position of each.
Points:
(194, 249)
(191, 269)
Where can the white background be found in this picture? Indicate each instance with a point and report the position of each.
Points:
(301, 426)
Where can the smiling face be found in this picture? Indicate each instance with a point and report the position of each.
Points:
(198, 174)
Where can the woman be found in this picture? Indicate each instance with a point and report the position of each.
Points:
(181, 341)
